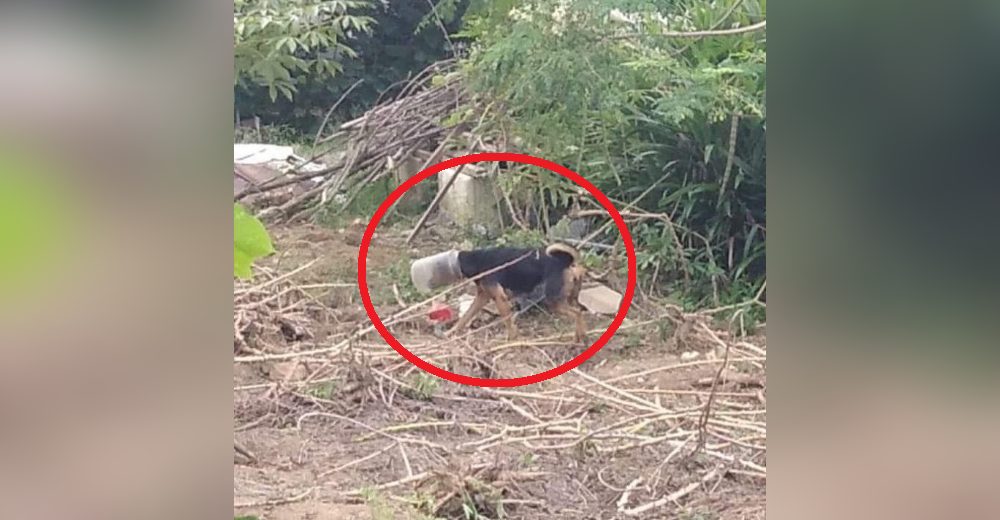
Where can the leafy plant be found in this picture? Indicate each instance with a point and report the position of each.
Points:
(518, 238)
(672, 126)
(378, 506)
(393, 48)
(250, 241)
(424, 386)
(275, 39)
(321, 390)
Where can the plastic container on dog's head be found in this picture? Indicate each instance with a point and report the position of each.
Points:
(435, 271)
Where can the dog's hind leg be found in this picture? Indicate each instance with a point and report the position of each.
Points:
(504, 308)
(482, 298)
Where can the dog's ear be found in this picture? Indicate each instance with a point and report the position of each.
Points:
(560, 249)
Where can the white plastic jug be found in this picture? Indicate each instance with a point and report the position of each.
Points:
(435, 271)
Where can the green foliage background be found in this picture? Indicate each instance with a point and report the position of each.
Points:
(278, 41)
(399, 40)
(603, 87)
(638, 111)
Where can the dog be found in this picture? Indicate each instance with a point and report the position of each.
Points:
(553, 271)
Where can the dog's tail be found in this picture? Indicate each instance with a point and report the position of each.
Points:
(563, 251)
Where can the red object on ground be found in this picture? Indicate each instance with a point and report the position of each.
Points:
(441, 312)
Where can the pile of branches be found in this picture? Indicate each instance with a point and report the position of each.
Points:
(272, 313)
(394, 129)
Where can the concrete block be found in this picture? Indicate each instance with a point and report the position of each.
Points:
(471, 201)
(601, 299)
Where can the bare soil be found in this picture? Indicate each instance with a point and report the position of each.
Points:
(341, 426)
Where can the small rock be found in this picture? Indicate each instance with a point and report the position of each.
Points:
(287, 371)
(690, 356)
(465, 302)
(354, 232)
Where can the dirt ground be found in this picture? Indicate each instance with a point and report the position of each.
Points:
(339, 425)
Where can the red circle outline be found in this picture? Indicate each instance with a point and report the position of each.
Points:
(509, 157)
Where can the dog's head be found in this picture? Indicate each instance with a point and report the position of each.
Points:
(573, 281)
(574, 273)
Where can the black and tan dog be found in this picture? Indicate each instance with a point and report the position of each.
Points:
(554, 271)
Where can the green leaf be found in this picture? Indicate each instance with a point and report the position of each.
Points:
(455, 118)
(287, 91)
(250, 241)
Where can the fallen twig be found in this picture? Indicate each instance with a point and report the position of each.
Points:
(275, 501)
(673, 497)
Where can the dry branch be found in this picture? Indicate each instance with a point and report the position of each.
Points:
(691, 34)
(412, 120)
(275, 501)
(673, 497)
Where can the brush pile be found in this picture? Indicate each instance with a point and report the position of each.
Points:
(682, 430)
(272, 313)
(426, 110)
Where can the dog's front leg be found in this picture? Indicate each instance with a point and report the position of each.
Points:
(482, 298)
(504, 308)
